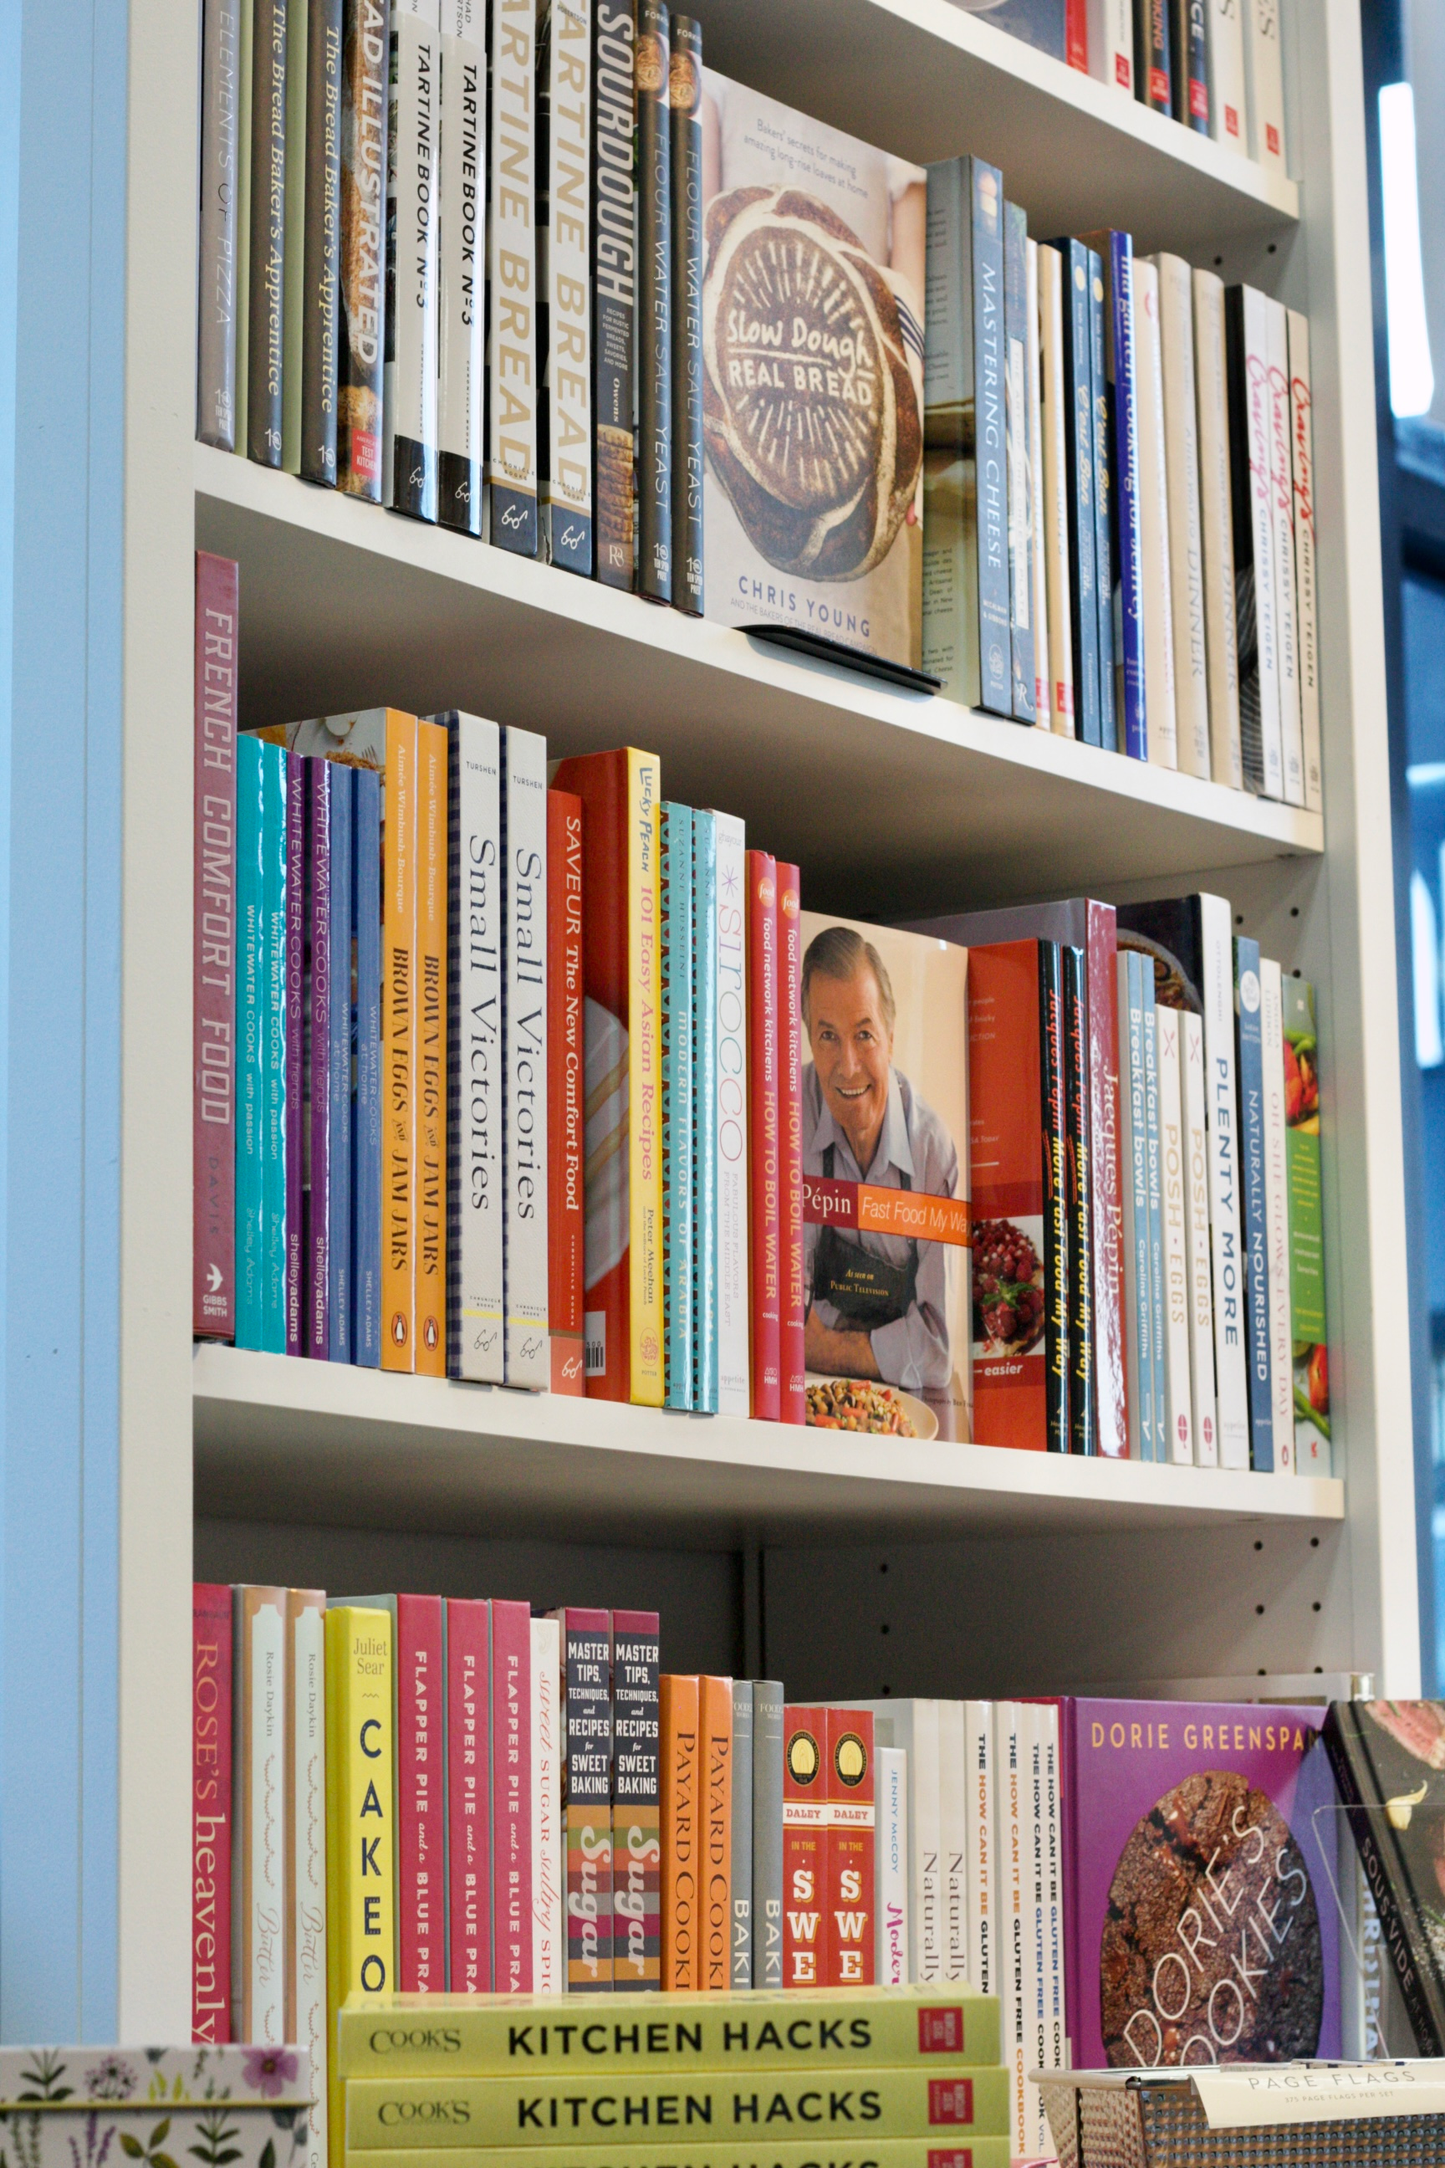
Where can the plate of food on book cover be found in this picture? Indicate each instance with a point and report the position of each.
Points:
(1008, 1286)
(1406, 1745)
(883, 1411)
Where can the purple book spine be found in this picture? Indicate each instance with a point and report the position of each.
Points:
(296, 890)
(318, 1049)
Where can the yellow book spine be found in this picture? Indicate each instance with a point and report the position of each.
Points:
(398, 1046)
(703, 2152)
(431, 1052)
(361, 1834)
(644, 1062)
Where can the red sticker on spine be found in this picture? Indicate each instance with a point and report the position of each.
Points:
(959, 2156)
(950, 2100)
(940, 2029)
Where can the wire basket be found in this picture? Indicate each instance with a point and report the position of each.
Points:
(1154, 2119)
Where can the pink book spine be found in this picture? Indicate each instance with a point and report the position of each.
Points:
(469, 1796)
(512, 1798)
(421, 1800)
(211, 1813)
(213, 1111)
(790, 1186)
(765, 1222)
(1108, 1231)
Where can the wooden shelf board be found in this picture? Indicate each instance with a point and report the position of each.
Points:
(277, 1438)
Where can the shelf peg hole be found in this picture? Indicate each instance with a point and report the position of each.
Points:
(1257, 1544)
(1314, 1543)
(1314, 1607)
(883, 1629)
(1259, 1610)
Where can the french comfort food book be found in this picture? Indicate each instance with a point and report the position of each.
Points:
(812, 320)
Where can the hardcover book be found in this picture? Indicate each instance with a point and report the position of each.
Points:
(1040, 23)
(1154, 73)
(586, 1640)
(1058, 431)
(339, 1057)
(790, 1190)
(1276, 1186)
(890, 1893)
(1226, 68)
(1216, 515)
(315, 1125)
(1185, 554)
(409, 440)
(1282, 518)
(361, 326)
(321, 243)
(1306, 1229)
(1253, 1215)
(461, 265)
(289, 1015)
(527, 1342)
(848, 1938)
(430, 1027)
(1134, 1140)
(421, 1794)
(1058, 1268)
(714, 1829)
(1083, 1429)
(729, 1142)
(212, 1806)
(1077, 397)
(614, 288)
(1387, 1758)
(475, 1285)
(813, 389)
(512, 1781)
(679, 1122)
(1252, 490)
(767, 1833)
(264, 377)
(360, 1818)
(685, 120)
(740, 1959)
(705, 1088)
(366, 1127)
(1263, 76)
(548, 1896)
(511, 459)
(1302, 435)
(637, 1803)
(564, 275)
(680, 1793)
(1196, 1202)
(1034, 366)
(653, 69)
(1106, 551)
(216, 299)
(306, 1986)
(217, 1011)
(764, 1217)
(805, 1845)
(469, 1796)
(1189, 41)
(1022, 455)
(566, 1214)
(1116, 271)
(1111, 43)
(1158, 601)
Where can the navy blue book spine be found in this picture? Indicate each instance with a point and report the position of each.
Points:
(1079, 469)
(995, 646)
(1189, 32)
(366, 1130)
(1250, 1056)
(339, 1065)
(1104, 586)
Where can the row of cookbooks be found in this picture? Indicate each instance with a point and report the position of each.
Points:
(1072, 487)
(560, 1088)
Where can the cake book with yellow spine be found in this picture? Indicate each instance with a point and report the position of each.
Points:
(360, 1815)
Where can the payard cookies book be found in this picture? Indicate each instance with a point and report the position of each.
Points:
(812, 321)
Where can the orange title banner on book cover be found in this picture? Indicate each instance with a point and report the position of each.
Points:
(887, 1211)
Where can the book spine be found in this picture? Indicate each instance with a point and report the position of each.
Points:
(805, 1845)
(1058, 428)
(469, 1796)
(421, 1795)
(890, 1960)
(1106, 563)
(321, 242)
(267, 239)
(245, 73)
(715, 1831)
(985, 211)
(1035, 1921)
(548, 1939)
(293, 292)
(767, 1833)
(1079, 1171)
(260, 1859)
(1154, 75)
(1256, 624)
(1303, 474)
(1281, 1356)
(793, 1302)
(212, 1663)
(1054, 2041)
(409, 439)
(740, 1957)
(1226, 68)
(216, 1006)
(1158, 1341)
(1196, 1215)
(681, 1926)
(951, 514)
(587, 1741)
(1264, 84)
(1154, 520)
(981, 1758)
(361, 351)
(1217, 529)
(461, 266)
(216, 310)
(528, 1354)
(1080, 467)
(1053, 1108)
(678, 1126)
(1010, 1802)
(637, 1803)
(366, 1131)
(1076, 34)
(953, 1838)
(336, 1042)
(852, 1781)
(511, 1798)
(1043, 703)
(306, 2017)
(398, 1033)
(1110, 1411)
(731, 1132)
(474, 1054)
(564, 324)
(283, 830)
(316, 1268)
(1124, 531)
(360, 1821)
(926, 1846)
(566, 1218)
(1111, 42)
(705, 1148)
(1185, 565)
(1225, 1178)
(614, 288)
(764, 1218)
(646, 1354)
(1189, 39)
(296, 1052)
(1281, 468)
(1020, 453)
(1173, 1174)
(511, 443)
(1306, 1230)
(654, 303)
(685, 103)
(1254, 1224)
(1135, 1144)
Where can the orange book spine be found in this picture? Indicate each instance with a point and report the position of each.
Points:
(716, 1711)
(805, 1844)
(678, 1698)
(431, 1050)
(848, 1930)
(398, 1046)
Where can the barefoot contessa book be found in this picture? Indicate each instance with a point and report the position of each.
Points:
(885, 1179)
(812, 320)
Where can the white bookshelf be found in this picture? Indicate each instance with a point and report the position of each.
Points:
(1067, 1569)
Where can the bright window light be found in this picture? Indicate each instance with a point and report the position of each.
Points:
(1412, 379)
(1425, 954)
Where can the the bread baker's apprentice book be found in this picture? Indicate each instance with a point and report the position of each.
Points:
(216, 1011)
(852, 1782)
(1078, 398)
(886, 1178)
(267, 238)
(421, 1794)
(1014, 1299)
(813, 387)
(805, 1844)
(767, 1834)
(212, 1811)
(1387, 1758)
(1254, 1220)
(1116, 270)
(679, 1130)
(361, 318)
(528, 1347)
(764, 1215)
(621, 798)
(967, 640)
(548, 1892)
(790, 1086)
(306, 2017)
(614, 288)
(409, 439)
(564, 272)
(654, 301)
(241, 102)
(1022, 453)
(216, 298)
(586, 1798)
(1256, 615)
(1302, 437)
(637, 1804)
(680, 1789)
(740, 1954)
(1203, 1926)
(431, 1050)
(705, 1089)
(293, 280)
(512, 1781)
(461, 264)
(475, 1285)
(1276, 1192)
(704, 2152)
(511, 443)
(685, 121)
(1306, 1229)
(469, 1795)
(360, 1824)
(1216, 514)
(566, 1214)
(320, 250)
(715, 1830)
(730, 1116)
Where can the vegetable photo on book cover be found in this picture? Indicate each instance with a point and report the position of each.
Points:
(885, 1180)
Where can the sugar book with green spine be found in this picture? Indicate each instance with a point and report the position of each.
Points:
(705, 2152)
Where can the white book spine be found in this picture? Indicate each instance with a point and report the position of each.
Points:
(979, 1747)
(1154, 521)
(475, 764)
(308, 1838)
(1196, 1219)
(409, 439)
(461, 255)
(511, 270)
(1228, 122)
(1303, 444)
(1043, 703)
(1056, 496)
(1036, 1955)
(1276, 1216)
(1222, 1120)
(1056, 2049)
(548, 1966)
(1010, 1987)
(1281, 467)
(265, 1833)
(923, 1849)
(1211, 384)
(564, 275)
(1111, 43)
(1173, 1173)
(1256, 422)
(734, 1380)
(1264, 82)
(891, 1886)
(953, 1839)
(1186, 543)
(524, 1057)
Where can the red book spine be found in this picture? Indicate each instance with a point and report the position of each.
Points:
(1112, 1431)
(765, 1228)
(805, 1844)
(849, 1954)
(213, 1102)
(211, 1813)
(1006, 1124)
(469, 1796)
(566, 1221)
(1076, 34)
(421, 1806)
(512, 1798)
(790, 1182)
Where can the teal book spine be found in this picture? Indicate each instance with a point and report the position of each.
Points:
(274, 897)
(1158, 1340)
(678, 1119)
(250, 1041)
(704, 1171)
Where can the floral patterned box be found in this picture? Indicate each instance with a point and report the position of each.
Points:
(196, 2107)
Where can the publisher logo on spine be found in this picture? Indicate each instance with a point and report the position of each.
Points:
(940, 2032)
(950, 2100)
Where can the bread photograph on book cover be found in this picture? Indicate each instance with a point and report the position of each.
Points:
(885, 1180)
(813, 376)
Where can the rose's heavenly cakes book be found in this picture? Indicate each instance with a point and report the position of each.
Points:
(812, 322)
(1200, 1857)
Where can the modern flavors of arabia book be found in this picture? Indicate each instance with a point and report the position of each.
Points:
(813, 379)
(885, 1179)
